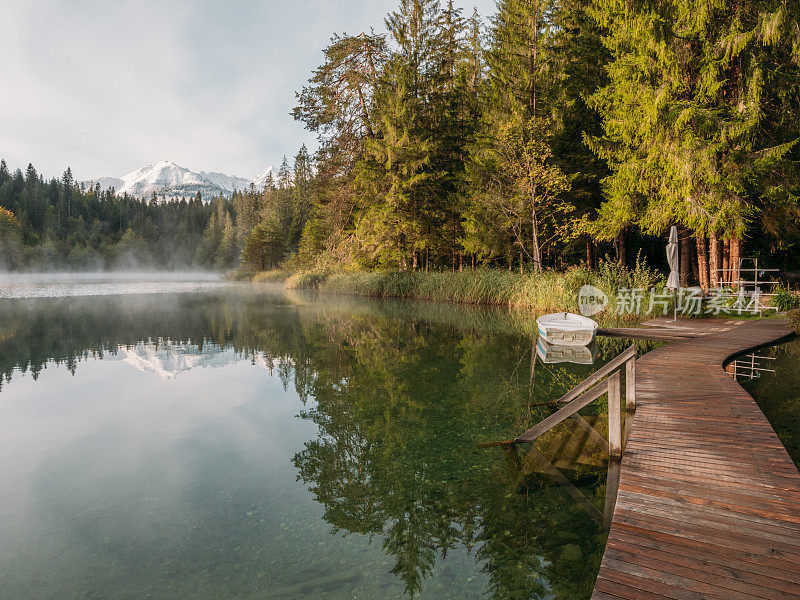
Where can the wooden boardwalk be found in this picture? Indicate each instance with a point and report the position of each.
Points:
(709, 500)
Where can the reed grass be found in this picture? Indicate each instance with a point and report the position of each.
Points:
(794, 320)
(274, 276)
(547, 291)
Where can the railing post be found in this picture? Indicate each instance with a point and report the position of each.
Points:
(630, 384)
(614, 416)
(612, 489)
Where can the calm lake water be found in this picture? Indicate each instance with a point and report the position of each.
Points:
(207, 440)
(778, 392)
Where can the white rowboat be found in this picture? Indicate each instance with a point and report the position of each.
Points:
(567, 329)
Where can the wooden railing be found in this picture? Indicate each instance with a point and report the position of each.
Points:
(606, 380)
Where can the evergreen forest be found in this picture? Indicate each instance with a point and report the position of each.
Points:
(552, 133)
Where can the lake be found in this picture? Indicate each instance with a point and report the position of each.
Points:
(190, 438)
(772, 376)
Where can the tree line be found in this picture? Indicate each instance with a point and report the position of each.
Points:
(60, 224)
(564, 131)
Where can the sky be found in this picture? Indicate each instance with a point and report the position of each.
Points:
(108, 87)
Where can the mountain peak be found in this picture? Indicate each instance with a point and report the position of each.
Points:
(261, 179)
(166, 163)
(170, 180)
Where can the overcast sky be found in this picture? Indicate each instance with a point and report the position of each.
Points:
(107, 87)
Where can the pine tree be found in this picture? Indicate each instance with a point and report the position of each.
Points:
(269, 183)
(301, 195)
(516, 136)
(284, 175)
(414, 27)
(579, 61)
(264, 248)
(518, 58)
(697, 125)
(206, 254)
(247, 206)
(227, 250)
(338, 100)
(393, 176)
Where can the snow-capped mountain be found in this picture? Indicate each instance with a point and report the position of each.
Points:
(262, 177)
(168, 359)
(169, 180)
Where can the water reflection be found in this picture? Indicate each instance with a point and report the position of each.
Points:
(214, 479)
(772, 377)
(554, 354)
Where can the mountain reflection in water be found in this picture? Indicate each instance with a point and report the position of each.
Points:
(357, 475)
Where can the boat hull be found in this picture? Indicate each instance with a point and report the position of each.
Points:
(569, 330)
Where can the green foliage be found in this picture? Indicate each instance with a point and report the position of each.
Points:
(571, 123)
(60, 225)
(540, 292)
(10, 240)
(695, 109)
(274, 276)
(794, 320)
(523, 190)
(429, 158)
(218, 246)
(264, 248)
(786, 300)
(387, 187)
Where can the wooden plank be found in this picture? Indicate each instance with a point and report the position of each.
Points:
(612, 489)
(614, 417)
(630, 385)
(709, 500)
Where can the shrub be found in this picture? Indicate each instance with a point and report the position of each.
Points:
(787, 300)
(274, 276)
(304, 280)
(794, 320)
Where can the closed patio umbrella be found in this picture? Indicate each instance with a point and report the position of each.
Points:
(674, 280)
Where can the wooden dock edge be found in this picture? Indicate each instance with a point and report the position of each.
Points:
(709, 499)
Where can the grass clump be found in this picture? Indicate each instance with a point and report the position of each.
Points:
(546, 291)
(481, 286)
(305, 280)
(273, 276)
(375, 284)
(786, 300)
(794, 320)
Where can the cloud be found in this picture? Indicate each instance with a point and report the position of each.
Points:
(108, 87)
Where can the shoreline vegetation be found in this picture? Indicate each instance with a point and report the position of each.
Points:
(539, 292)
(543, 138)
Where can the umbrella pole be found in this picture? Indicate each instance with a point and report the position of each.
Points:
(675, 305)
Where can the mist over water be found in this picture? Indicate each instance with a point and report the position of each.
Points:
(105, 283)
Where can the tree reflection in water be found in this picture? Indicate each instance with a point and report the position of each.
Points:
(401, 394)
